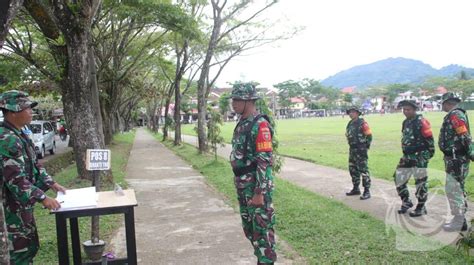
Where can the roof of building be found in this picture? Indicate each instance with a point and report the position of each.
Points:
(349, 89)
(297, 100)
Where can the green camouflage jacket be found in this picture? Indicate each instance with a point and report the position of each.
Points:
(358, 133)
(417, 136)
(257, 153)
(24, 183)
(454, 133)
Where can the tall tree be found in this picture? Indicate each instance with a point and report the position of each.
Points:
(226, 27)
(184, 61)
(66, 27)
(287, 90)
(129, 35)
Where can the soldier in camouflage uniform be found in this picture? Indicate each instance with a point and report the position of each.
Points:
(24, 181)
(418, 148)
(359, 137)
(251, 160)
(455, 143)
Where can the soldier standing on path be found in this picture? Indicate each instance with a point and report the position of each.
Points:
(251, 160)
(455, 142)
(359, 137)
(24, 181)
(418, 149)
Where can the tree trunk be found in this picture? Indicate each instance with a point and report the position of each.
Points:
(95, 93)
(202, 112)
(165, 127)
(203, 78)
(167, 108)
(77, 102)
(107, 128)
(180, 69)
(119, 122)
(177, 115)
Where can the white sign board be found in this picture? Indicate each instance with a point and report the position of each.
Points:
(98, 159)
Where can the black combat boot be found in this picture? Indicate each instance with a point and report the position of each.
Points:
(406, 204)
(419, 210)
(354, 191)
(365, 195)
(456, 225)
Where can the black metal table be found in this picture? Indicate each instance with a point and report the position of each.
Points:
(108, 203)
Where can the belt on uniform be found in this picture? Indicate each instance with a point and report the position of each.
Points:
(244, 170)
(458, 153)
(358, 145)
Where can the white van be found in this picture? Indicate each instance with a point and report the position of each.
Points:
(43, 137)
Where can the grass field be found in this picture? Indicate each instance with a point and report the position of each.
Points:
(319, 229)
(322, 141)
(47, 254)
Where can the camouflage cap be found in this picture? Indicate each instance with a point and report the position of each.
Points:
(450, 96)
(244, 91)
(16, 101)
(353, 108)
(407, 102)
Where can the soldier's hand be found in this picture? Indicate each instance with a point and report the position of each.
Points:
(58, 188)
(51, 203)
(257, 200)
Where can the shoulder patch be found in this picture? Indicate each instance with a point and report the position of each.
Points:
(426, 128)
(458, 124)
(264, 138)
(366, 129)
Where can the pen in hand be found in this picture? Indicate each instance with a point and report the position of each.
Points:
(51, 203)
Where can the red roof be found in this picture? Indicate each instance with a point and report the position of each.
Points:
(297, 100)
(348, 90)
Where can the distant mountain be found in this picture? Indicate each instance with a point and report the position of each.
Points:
(390, 71)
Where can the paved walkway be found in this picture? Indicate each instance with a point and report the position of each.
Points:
(383, 205)
(179, 219)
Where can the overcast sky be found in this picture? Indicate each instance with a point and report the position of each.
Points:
(340, 34)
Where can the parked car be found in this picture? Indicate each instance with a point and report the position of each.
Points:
(43, 137)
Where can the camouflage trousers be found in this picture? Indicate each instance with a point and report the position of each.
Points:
(257, 223)
(358, 167)
(22, 236)
(24, 257)
(456, 172)
(412, 165)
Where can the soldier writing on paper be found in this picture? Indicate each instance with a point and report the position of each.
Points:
(24, 180)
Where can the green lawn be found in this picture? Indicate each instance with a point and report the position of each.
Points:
(48, 254)
(320, 229)
(322, 141)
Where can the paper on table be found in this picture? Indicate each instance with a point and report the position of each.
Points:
(77, 199)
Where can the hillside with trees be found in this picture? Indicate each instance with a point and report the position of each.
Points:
(391, 71)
